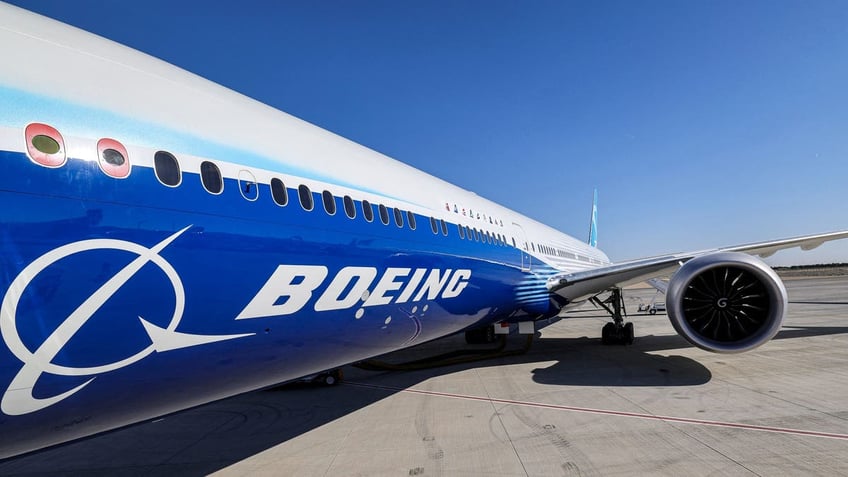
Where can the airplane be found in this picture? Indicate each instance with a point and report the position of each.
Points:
(166, 242)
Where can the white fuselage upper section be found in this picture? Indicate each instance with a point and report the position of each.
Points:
(116, 81)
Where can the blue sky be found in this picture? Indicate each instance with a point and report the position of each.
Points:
(702, 123)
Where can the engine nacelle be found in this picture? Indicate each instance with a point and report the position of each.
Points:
(726, 302)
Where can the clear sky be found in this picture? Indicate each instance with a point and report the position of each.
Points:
(701, 123)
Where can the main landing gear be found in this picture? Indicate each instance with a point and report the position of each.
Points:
(617, 332)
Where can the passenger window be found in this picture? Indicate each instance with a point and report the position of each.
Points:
(469, 233)
(350, 210)
(398, 217)
(45, 145)
(476, 235)
(433, 225)
(384, 214)
(461, 231)
(305, 196)
(410, 217)
(367, 210)
(444, 228)
(247, 185)
(329, 202)
(210, 177)
(167, 169)
(279, 192)
(513, 243)
(113, 158)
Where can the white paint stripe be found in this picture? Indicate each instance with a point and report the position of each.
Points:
(609, 412)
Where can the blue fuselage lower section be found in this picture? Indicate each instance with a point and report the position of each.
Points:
(125, 299)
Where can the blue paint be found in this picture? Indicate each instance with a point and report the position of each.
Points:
(227, 254)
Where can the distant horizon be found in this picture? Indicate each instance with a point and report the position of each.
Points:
(701, 124)
(814, 265)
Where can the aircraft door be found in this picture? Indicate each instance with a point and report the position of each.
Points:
(523, 247)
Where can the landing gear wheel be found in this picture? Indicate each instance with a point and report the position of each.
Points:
(480, 335)
(490, 334)
(628, 333)
(608, 334)
(617, 332)
(617, 335)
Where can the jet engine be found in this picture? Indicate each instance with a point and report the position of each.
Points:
(726, 302)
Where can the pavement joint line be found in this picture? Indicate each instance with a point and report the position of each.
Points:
(609, 412)
(503, 426)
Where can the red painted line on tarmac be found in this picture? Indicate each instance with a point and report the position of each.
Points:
(609, 412)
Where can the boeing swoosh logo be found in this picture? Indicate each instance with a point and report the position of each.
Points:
(18, 398)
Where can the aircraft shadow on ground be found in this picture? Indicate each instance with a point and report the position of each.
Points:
(211, 437)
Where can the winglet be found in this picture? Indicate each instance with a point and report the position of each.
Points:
(593, 224)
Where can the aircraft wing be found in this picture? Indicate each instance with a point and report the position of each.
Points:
(584, 284)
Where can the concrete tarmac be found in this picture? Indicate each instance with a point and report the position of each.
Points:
(567, 407)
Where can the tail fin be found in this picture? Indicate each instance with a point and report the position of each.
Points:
(593, 224)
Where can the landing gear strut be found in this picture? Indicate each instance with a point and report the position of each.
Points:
(617, 332)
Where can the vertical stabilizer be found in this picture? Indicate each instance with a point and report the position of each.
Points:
(593, 224)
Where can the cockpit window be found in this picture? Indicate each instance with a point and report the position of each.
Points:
(167, 169)
(45, 145)
(113, 158)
